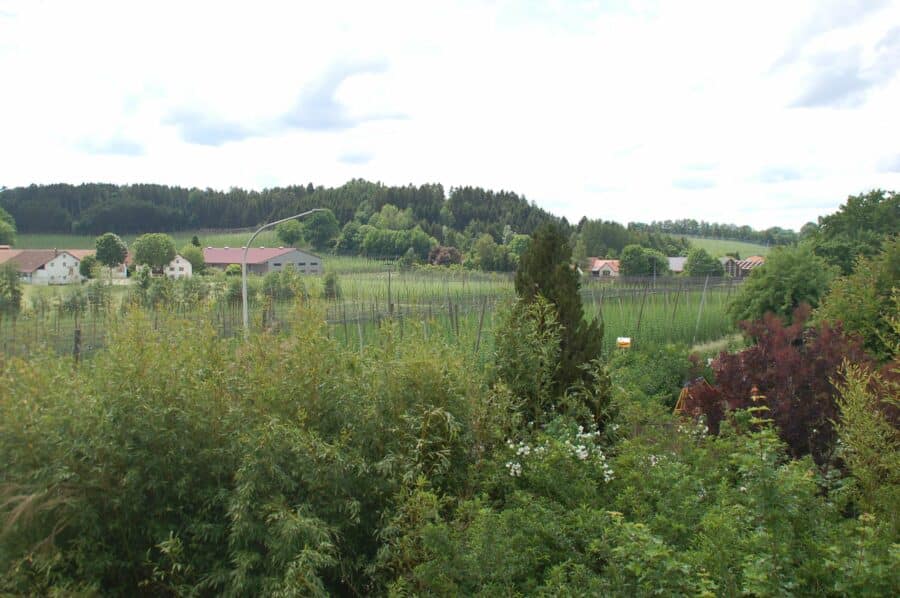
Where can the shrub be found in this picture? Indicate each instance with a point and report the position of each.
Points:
(863, 302)
(791, 276)
(795, 368)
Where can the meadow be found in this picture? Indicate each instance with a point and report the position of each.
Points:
(207, 238)
(719, 247)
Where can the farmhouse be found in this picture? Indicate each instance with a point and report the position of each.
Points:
(179, 267)
(262, 260)
(603, 268)
(42, 266)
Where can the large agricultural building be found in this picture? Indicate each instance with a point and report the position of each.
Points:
(262, 260)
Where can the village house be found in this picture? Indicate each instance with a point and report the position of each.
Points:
(179, 267)
(42, 266)
(262, 260)
(604, 268)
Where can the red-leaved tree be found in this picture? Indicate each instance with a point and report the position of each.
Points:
(794, 368)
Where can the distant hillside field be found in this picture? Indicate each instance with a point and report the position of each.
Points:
(719, 247)
(207, 239)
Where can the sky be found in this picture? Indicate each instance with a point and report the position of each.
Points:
(766, 113)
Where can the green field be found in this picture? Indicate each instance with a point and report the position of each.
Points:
(207, 239)
(719, 247)
(461, 306)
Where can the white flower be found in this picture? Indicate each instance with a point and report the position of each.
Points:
(515, 468)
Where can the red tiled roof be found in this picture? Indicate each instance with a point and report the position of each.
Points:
(234, 255)
(80, 254)
(29, 260)
(597, 264)
(7, 254)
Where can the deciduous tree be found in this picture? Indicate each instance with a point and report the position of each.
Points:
(155, 250)
(88, 266)
(790, 277)
(194, 255)
(111, 251)
(321, 229)
(289, 232)
(701, 263)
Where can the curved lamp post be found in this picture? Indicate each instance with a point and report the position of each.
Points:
(244, 264)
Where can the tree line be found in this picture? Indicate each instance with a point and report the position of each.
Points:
(94, 208)
(774, 235)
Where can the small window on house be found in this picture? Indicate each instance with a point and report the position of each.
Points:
(181, 268)
(276, 265)
(314, 263)
(301, 263)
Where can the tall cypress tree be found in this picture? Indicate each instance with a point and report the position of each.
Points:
(546, 269)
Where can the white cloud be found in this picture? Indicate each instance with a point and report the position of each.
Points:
(635, 112)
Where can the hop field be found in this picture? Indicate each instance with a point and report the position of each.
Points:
(456, 305)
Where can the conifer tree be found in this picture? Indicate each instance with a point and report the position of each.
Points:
(546, 269)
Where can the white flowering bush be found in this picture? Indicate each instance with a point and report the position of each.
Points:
(563, 458)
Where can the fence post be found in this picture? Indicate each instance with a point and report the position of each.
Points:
(700, 311)
(641, 311)
(76, 348)
(480, 324)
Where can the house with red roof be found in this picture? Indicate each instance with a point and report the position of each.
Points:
(42, 266)
(262, 260)
(604, 268)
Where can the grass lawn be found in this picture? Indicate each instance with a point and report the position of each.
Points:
(719, 247)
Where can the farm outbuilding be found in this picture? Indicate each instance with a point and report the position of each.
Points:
(43, 266)
(262, 260)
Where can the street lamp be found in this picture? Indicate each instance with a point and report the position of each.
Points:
(244, 264)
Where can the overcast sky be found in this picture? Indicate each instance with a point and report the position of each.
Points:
(760, 113)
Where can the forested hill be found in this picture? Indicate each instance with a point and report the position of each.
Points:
(94, 208)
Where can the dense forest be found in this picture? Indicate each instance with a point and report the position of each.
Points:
(95, 208)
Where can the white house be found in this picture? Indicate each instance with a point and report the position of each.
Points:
(179, 268)
(603, 268)
(43, 266)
